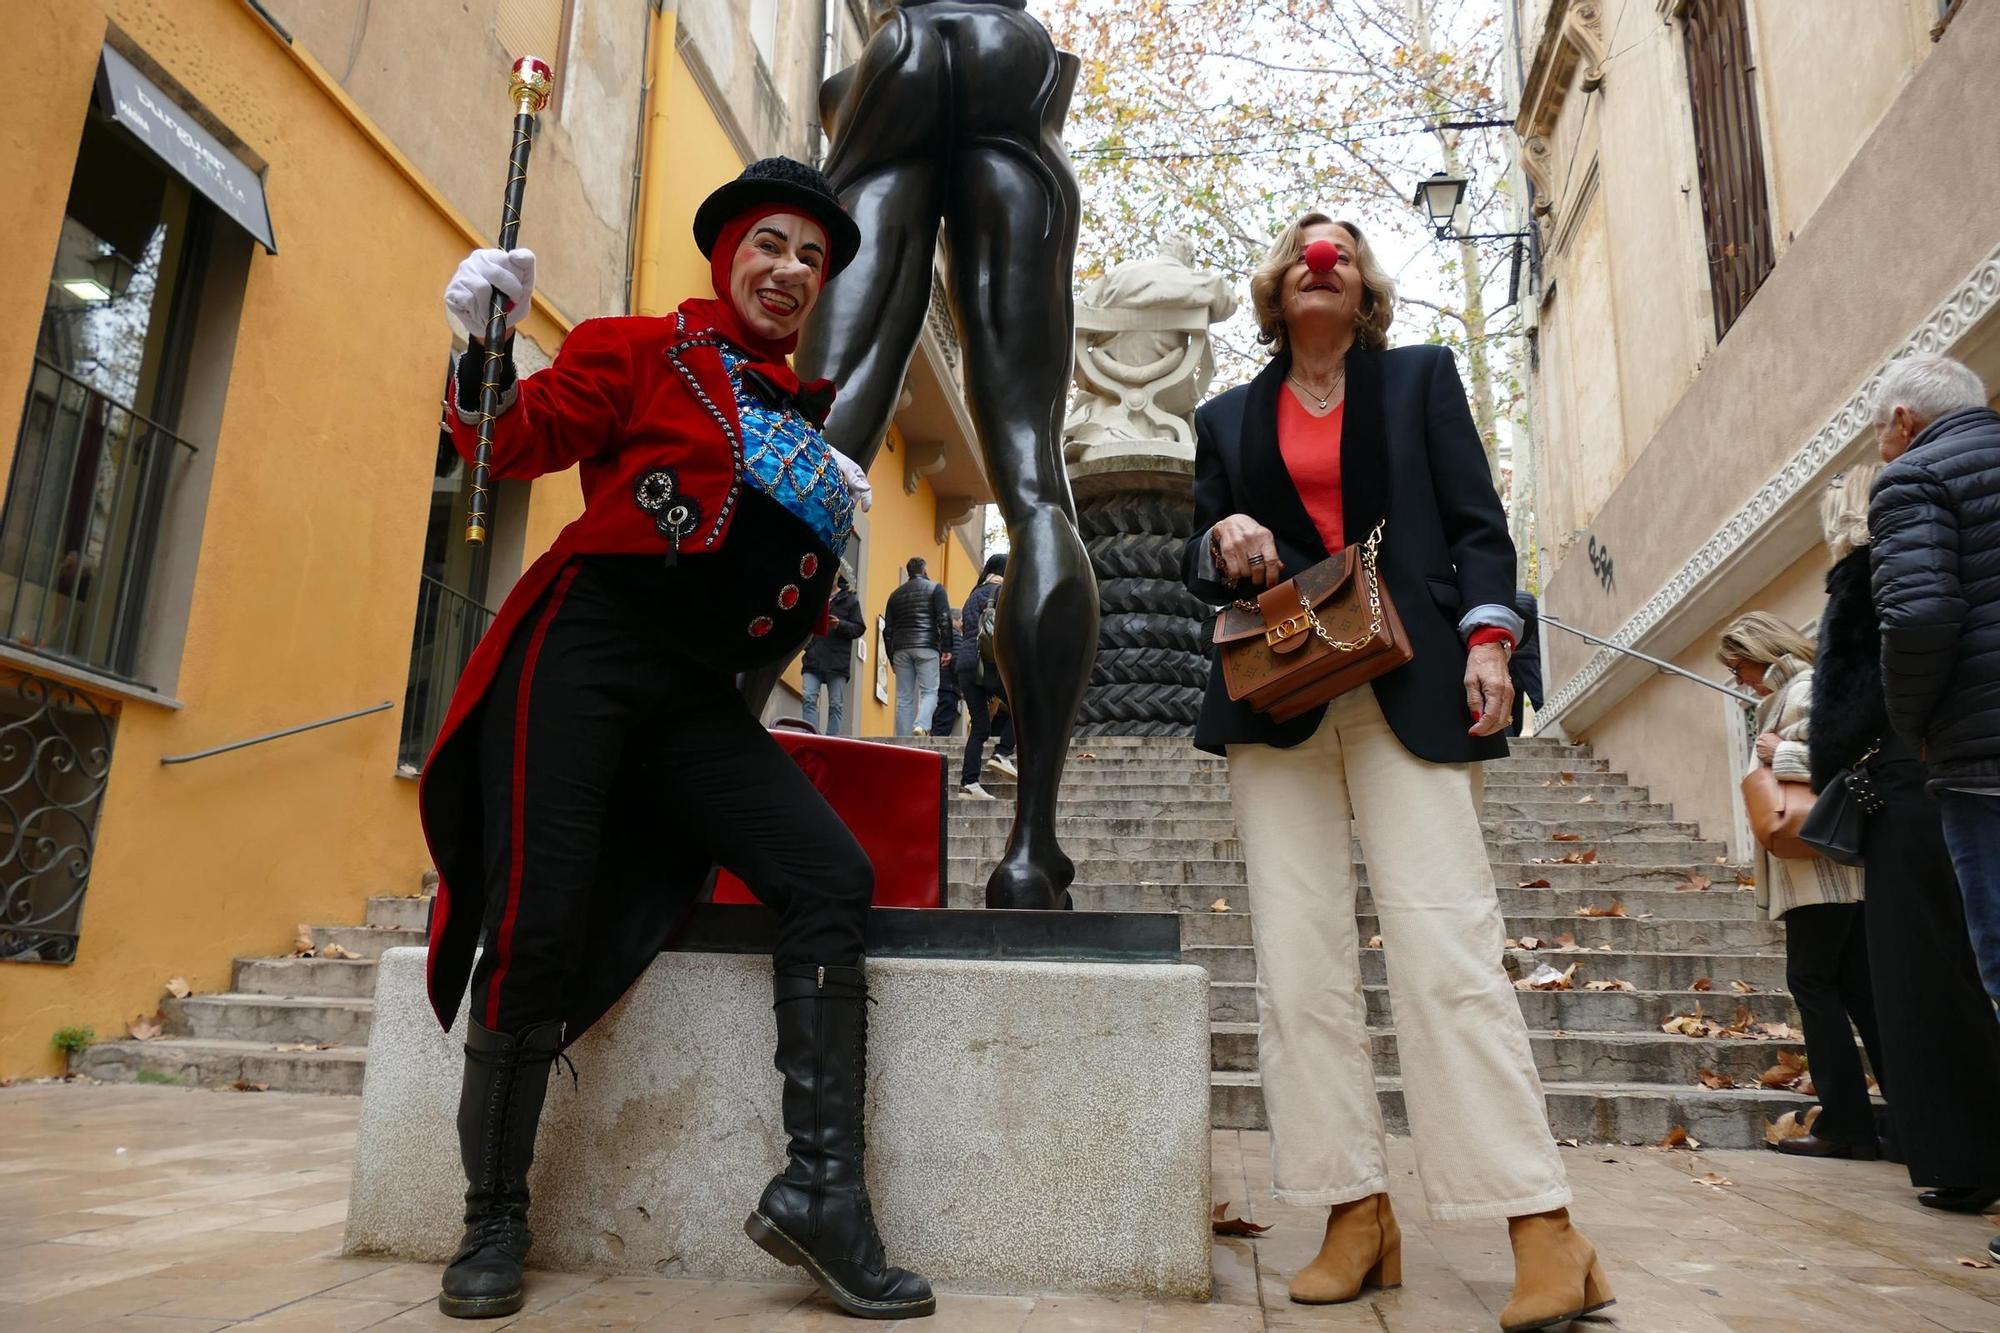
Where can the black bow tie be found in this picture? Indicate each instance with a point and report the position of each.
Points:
(811, 400)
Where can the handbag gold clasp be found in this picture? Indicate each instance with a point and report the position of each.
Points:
(1289, 628)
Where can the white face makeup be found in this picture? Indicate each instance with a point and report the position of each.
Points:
(776, 275)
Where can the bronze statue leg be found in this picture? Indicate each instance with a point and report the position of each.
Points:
(1010, 229)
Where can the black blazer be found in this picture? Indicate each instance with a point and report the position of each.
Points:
(1409, 450)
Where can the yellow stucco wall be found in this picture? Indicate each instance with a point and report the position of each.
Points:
(306, 586)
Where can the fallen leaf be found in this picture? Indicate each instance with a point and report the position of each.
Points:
(1722, 860)
(1531, 941)
(1224, 1225)
(1644, 916)
(1374, 942)
(1586, 858)
(1695, 883)
(1547, 978)
(1791, 1067)
(335, 951)
(1566, 779)
(1568, 1143)
(1745, 879)
(1702, 984)
(1781, 1032)
(1565, 837)
(145, 1028)
(178, 987)
(1742, 1020)
(1742, 988)
(1511, 944)
(1714, 1181)
(1219, 905)
(1586, 800)
(241, 1086)
(306, 1046)
(1678, 1137)
(1616, 909)
(1713, 1081)
(1604, 948)
(1534, 884)
(1086, 755)
(1609, 985)
(302, 943)
(1565, 941)
(1975, 1263)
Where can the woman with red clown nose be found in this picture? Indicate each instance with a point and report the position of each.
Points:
(597, 759)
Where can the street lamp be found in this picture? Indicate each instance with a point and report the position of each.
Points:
(1440, 197)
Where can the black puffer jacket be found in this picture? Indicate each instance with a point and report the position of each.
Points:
(919, 616)
(1935, 521)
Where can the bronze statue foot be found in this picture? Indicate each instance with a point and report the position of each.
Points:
(1032, 882)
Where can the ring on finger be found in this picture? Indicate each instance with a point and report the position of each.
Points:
(1257, 559)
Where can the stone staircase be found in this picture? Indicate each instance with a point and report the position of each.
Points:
(1148, 822)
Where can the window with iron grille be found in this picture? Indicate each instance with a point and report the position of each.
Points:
(1729, 153)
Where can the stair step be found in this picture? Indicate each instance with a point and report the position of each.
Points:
(367, 941)
(992, 820)
(413, 913)
(1639, 1011)
(334, 978)
(273, 1019)
(1589, 1112)
(221, 1063)
(1646, 1059)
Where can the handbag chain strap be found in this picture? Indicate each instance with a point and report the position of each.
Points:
(1310, 619)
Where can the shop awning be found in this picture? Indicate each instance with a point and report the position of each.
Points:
(181, 142)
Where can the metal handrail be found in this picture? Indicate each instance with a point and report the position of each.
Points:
(1667, 667)
(384, 706)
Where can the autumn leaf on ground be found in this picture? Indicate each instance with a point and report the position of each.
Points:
(1586, 800)
(302, 943)
(1746, 879)
(1714, 1181)
(1511, 943)
(1534, 884)
(1713, 1081)
(1695, 883)
(1702, 984)
(1569, 1143)
(1565, 837)
(1530, 942)
(1086, 756)
(145, 1027)
(1616, 909)
(1791, 1067)
(1781, 1032)
(1374, 942)
(1789, 1126)
(241, 1086)
(178, 987)
(1612, 985)
(335, 951)
(1224, 1225)
(1566, 779)
(1679, 1138)
(1547, 978)
(1587, 858)
(306, 1046)
(1975, 1263)
(1219, 905)
(1742, 988)
(1565, 941)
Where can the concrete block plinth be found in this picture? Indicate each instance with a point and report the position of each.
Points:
(1032, 1126)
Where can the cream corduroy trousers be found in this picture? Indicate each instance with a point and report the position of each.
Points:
(1469, 1082)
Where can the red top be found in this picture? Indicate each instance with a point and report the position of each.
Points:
(1311, 449)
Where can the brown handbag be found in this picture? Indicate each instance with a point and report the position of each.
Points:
(1314, 637)
(1776, 809)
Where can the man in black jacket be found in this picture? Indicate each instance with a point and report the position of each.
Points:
(979, 682)
(917, 636)
(1525, 666)
(829, 658)
(1935, 521)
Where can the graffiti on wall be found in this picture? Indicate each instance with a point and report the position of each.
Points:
(1600, 565)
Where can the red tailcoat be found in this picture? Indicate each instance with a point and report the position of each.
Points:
(626, 397)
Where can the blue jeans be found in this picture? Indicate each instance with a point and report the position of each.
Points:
(916, 687)
(836, 701)
(1972, 832)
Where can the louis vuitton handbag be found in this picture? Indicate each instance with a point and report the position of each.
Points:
(1314, 637)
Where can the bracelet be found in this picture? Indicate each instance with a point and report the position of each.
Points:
(1215, 549)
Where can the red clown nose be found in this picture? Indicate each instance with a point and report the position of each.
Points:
(1322, 256)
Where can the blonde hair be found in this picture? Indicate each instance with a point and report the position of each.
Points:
(1843, 510)
(1759, 636)
(1378, 289)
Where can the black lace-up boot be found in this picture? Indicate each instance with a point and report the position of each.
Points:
(499, 1107)
(816, 1214)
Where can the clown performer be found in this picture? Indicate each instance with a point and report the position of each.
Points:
(598, 758)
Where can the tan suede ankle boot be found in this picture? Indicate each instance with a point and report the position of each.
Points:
(1363, 1248)
(1556, 1273)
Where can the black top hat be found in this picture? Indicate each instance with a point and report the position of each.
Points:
(780, 180)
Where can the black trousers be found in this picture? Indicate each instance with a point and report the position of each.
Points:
(1941, 1047)
(977, 704)
(1826, 967)
(615, 765)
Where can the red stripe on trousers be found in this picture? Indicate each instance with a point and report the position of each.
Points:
(503, 942)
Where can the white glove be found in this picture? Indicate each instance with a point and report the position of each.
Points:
(468, 297)
(857, 482)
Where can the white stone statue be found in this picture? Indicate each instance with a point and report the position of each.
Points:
(1143, 361)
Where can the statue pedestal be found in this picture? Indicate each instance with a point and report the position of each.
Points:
(1032, 1126)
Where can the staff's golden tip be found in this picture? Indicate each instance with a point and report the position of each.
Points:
(530, 83)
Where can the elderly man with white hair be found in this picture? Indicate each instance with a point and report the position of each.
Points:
(1936, 525)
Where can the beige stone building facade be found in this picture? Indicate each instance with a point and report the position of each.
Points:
(1746, 209)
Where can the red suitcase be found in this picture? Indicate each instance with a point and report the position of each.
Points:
(891, 797)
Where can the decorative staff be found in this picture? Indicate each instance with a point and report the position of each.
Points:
(529, 86)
